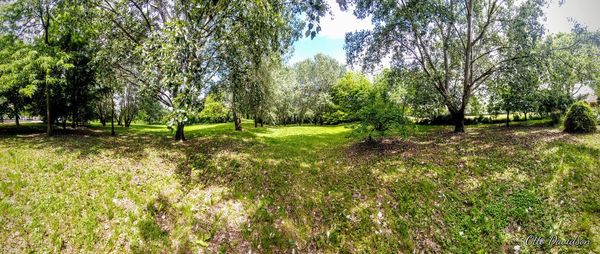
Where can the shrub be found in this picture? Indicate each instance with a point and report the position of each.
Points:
(377, 119)
(447, 120)
(580, 118)
(437, 120)
(555, 117)
(214, 111)
(336, 117)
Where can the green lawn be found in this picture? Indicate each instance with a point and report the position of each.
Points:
(303, 188)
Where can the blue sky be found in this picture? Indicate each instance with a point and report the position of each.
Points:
(330, 40)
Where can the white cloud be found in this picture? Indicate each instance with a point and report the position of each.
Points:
(336, 26)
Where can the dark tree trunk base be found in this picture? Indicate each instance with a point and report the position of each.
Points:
(459, 122)
(179, 135)
(238, 124)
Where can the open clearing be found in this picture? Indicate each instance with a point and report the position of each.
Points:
(307, 189)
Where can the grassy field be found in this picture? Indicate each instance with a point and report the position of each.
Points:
(297, 189)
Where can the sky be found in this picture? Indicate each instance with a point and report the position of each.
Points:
(330, 40)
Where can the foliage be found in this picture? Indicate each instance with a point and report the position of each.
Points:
(15, 71)
(481, 119)
(314, 81)
(580, 118)
(214, 111)
(555, 118)
(349, 95)
(150, 110)
(457, 45)
(551, 101)
(570, 61)
(379, 113)
(285, 95)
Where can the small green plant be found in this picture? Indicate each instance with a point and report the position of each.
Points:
(377, 119)
(555, 118)
(580, 118)
(379, 114)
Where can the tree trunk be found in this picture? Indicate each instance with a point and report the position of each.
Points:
(48, 114)
(261, 122)
(128, 121)
(64, 123)
(255, 122)
(507, 118)
(179, 136)
(459, 116)
(73, 118)
(525, 116)
(112, 117)
(459, 121)
(16, 116)
(237, 121)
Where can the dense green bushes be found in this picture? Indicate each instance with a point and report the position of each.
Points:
(580, 118)
(350, 94)
(376, 109)
(379, 117)
(447, 120)
(214, 111)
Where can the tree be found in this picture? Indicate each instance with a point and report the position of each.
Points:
(253, 47)
(314, 79)
(214, 111)
(380, 111)
(14, 78)
(284, 94)
(459, 45)
(349, 95)
(78, 92)
(50, 74)
(178, 61)
(150, 110)
(518, 89)
(571, 61)
(55, 37)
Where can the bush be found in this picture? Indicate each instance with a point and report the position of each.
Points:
(214, 111)
(447, 120)
(437, 120)
(336, 117)
(377, 119)
(580, 118)
(555, 117)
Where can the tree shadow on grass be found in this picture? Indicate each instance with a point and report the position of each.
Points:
(297, 188)
(439, 146)
(320, 192)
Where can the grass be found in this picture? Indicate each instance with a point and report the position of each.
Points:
(305, 189)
